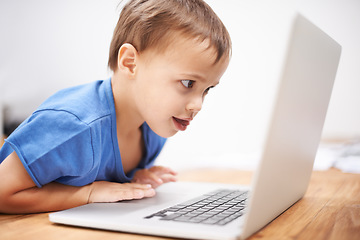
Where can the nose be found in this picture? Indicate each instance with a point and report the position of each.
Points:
(195, 104)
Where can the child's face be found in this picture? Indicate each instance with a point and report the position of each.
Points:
(171, 86)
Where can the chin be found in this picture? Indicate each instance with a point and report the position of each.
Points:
(162, 132)
(166, 134)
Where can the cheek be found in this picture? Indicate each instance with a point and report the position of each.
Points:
(166, 104)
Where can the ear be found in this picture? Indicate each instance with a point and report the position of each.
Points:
(127, 57)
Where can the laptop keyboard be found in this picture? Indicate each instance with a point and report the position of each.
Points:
(218, 208)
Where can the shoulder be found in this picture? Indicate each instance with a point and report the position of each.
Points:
(88, 102)
(53, 121)
(48, 129)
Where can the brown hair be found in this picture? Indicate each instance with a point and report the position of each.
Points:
(147, 23)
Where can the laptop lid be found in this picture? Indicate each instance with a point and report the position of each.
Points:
(295, 128)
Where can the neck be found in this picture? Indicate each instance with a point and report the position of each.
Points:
(128, 120)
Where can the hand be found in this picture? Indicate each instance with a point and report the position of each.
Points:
(103, 191)
(155, 176)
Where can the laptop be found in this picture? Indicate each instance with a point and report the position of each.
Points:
(226, 211)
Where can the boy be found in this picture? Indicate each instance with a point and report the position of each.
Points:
(97, 142)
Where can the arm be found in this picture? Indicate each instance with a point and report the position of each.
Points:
(19, 194)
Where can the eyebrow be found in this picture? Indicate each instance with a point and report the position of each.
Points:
(194, 76)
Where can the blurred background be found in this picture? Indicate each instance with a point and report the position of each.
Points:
(47, 45)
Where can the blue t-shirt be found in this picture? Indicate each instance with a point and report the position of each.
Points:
(72, 139)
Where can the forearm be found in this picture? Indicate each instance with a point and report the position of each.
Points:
(18, 193)
(51, 197)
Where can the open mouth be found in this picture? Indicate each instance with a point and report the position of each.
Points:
(181, 124)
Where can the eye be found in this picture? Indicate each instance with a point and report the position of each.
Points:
(188, 83)
(207, 90)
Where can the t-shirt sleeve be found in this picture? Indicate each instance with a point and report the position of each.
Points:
(53, 144)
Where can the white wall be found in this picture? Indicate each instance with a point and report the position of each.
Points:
(341, 19)
(46, 45)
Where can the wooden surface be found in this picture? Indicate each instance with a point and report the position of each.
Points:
(329, 210)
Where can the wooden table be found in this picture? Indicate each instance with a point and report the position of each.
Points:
(329, 210)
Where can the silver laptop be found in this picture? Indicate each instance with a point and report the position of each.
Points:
(225, 211)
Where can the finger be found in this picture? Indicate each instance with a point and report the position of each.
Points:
(113, 192)
(154, 179)
(168, 178)
(150, 178)
(135, 191)
(137, 185)
(162, 170)
(139, 193)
